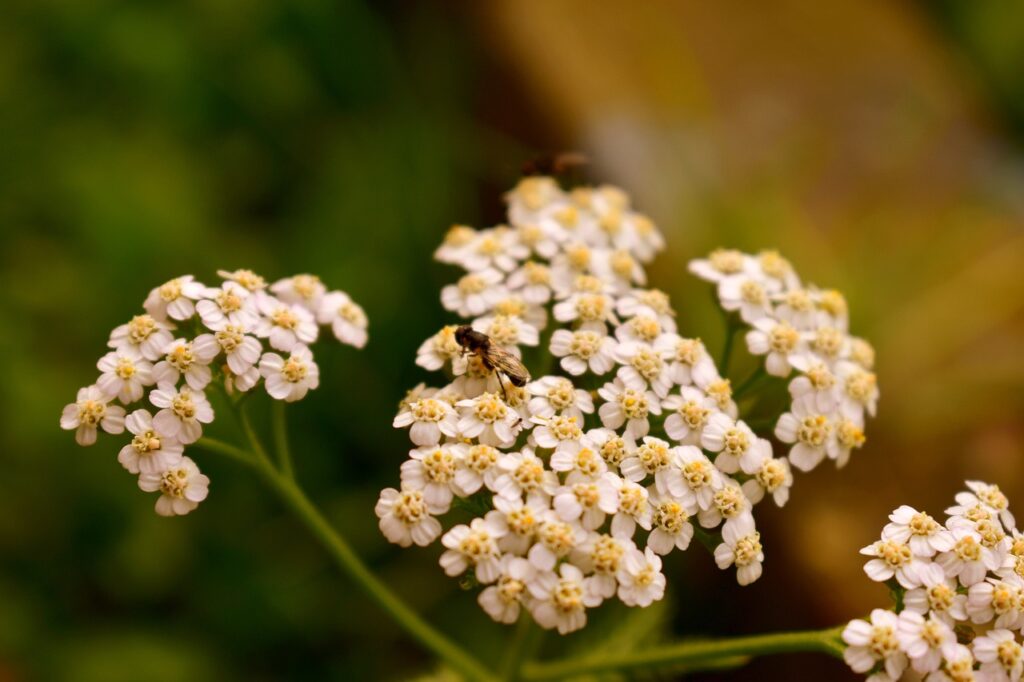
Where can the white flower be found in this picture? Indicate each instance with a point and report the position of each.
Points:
(796, 308)
(285, 325)
(456, 241)
(124, 374)
(587, 500)
(581, 459)
(810, 432)
(502, 600)
(241, 351)
(774, 477)
(184, 412)
(523, 472)
(430, 418)
(143, 333)
(591, 310)
(990, 496)
(818, 385)
(521, 518)
(1000, 655)
(670, 523)
(182, 487)
(875, 641)
(690, 410)
(741, 545)
(290, 379)
(601, 555)
(651, 302)
(689, 361)
(775, 270)
(737, 446)
(702, 479)
(432, 470)
(248, 279)
(937, 595)
(346, 317)
(532, 281)
(728, 502)
(508, 331)
(229, 304)
(923, 533)
(305, 290)
(643, 366)
(719, 264)
(243, 381)
(561, 599)
(555, 539)
(473, 295)
(583, 349)
(826, 345)
(488, 419)
(634, 508)
(558, 432)
(641, 582)
(91, 409)
(150, 451)
(655, 457)
(996, 600)
(476, 546)
(184, 358)
(476, 468)
(859, 392)
(720, 391)
(749, 294)
(557, 395)
(892, 558)
(969, 560)
(627, 406)
(404, 518)
(959, 666)
(174, 299)
(439, 349)
(779, 341)
(925, 640)
(497, 247)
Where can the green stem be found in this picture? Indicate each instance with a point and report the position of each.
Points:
(693, 655)
(758, 376)
(351, 565)
(525, 639)
(730, 336)
(279, 424)
(222, 448)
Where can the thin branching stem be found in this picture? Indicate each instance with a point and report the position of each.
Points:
(280, 429)
(692, 655)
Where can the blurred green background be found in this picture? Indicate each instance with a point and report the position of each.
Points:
(878, 145)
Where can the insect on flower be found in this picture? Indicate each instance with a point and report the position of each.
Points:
(493, 357)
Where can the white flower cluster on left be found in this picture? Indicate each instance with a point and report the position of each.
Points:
(960, 612)
(193, 337)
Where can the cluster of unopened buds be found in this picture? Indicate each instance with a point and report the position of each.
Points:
(629, 442)
(190, 339)
(959, 591)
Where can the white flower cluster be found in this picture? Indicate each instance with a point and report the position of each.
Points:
(583, 479)
(190, 338)
(802, 328)
(960, 587)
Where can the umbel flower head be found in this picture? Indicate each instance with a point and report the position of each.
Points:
(960, 594)
(190, 340)
(627, 443)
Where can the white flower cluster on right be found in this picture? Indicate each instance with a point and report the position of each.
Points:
(626, 447)
(960, 589)
(802, 328)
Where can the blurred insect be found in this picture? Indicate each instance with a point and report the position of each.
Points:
(554, 164)
(494, 357)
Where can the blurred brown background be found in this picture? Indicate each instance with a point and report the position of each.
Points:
(876, 144)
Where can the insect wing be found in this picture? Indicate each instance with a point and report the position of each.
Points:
(508, 364)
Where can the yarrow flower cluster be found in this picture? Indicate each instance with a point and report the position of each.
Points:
(960, 594)
(191, 338)
(800, 329)
(588, 475)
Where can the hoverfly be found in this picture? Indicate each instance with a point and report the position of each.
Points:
(494, 357)
(554, 164)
